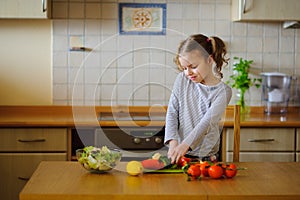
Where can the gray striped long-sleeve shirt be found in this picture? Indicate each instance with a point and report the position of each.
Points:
(194, 113)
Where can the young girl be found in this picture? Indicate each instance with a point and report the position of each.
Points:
(198, 100)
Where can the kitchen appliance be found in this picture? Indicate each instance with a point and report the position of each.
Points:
(135, 143)
(275, 92)
(122, 132)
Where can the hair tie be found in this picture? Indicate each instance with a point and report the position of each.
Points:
(213, 43)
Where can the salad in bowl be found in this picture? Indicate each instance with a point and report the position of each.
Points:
(98, 160)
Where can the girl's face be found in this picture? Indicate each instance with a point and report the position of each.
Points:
(196, 66)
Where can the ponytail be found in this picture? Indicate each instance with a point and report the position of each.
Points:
(218, 54)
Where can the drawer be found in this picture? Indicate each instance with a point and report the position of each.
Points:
(17, 168)
(263, 157)
(33, 139)
(263, 139)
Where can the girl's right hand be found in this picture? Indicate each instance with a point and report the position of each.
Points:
(172, 145)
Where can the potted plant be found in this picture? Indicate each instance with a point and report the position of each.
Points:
(241, 80)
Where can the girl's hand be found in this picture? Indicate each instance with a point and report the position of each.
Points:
(172, 145)
(179, 151)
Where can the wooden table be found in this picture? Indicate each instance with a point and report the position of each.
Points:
(69, 181)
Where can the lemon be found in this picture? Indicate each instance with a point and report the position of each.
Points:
(134, 168)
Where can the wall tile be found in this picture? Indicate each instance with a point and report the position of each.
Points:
(190, 11)
(125, 92)
(287, 44)
(190, 26)
(76, 27)
(92, 60)
(76, 10)
(60, 10)
(271, 45)
(60, 75)
(109, 11)
(222, 28)
(139, 69)
(174, 11)
(60, 92)
(141, 93)
(60, 27)
(92, 27)
(60, 59)
(223, 12)
(60, 43)
(93, 10)
(109, 76)
(254, 44)
(207, 11)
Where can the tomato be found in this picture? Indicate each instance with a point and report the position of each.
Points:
(230, 170)
(223, 166)
(194, 171)
(215, 171)
(183, 161)
(204, 168)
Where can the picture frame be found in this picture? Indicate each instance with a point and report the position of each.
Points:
(142, 19)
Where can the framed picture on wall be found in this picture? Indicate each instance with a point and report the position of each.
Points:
(142, 19)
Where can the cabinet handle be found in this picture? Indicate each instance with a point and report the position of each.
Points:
(34, 140)
(245, 6)
(44, 5)
(261, 140)
(23, 178)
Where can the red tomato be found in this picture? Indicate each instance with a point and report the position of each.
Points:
(204, 168)
(215, 171)
(230, 171)
(223, 167)
(183, 161)
(194, 171)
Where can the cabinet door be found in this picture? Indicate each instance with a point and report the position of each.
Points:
(265, 10)
(17, 168)
(25, 9)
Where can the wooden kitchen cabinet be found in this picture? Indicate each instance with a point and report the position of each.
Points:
(25, 9)
(263, 144)
(265, 10)
(21, 151)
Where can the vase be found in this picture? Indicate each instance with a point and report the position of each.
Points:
(243, 99)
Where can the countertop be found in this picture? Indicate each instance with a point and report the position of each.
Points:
(63, 180)
(71, 116)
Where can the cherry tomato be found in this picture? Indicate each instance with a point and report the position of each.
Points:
(223, 165)
(215, 171)
(183, 161)
(194, 171)
(231, 170)
(204, 168)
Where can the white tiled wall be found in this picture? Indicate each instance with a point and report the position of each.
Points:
(139, 70)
